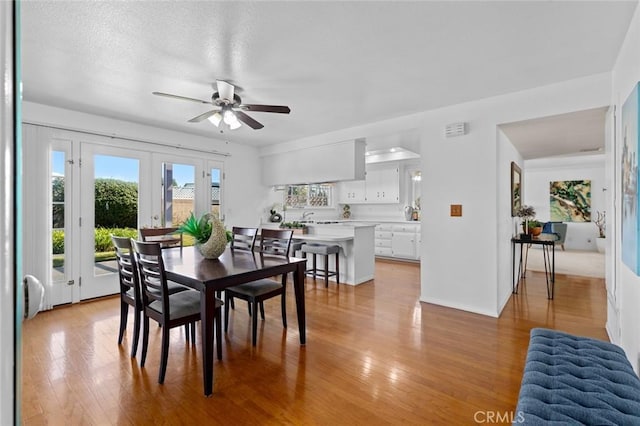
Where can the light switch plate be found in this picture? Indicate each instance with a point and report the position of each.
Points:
(456, 210)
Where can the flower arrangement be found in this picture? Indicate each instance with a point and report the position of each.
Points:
(526, 212)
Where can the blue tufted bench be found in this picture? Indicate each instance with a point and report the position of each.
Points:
(576, 380)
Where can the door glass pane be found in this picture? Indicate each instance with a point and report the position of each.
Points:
(57, 214)
(216, 186)
(178, 193)
(116, 206)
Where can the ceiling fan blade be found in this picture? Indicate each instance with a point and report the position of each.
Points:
(266, 108)
(203, 116)
(248, 120)
(184, 98)
(225, 90)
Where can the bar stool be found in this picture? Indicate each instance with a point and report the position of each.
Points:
(323, 250)
(295, 247)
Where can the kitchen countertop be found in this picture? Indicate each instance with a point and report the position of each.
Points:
(332, 238)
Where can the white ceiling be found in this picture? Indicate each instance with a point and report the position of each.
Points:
(336, 64)
(564, 134)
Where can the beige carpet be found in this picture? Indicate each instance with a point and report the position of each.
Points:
(584, 263)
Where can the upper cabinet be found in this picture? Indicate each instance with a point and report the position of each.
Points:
(323, 163)
(381, 186)
(352, 192)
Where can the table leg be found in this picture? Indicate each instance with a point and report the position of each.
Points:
(298, 287)
(547, 269)
(207, 309)
(553, 269)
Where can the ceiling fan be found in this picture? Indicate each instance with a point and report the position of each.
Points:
(231, 108)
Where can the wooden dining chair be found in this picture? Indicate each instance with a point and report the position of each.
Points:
(273, 242)
(129, 290)
(243, 238)
(166, 237)
(169, 310)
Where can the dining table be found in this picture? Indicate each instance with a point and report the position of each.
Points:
(210, 276)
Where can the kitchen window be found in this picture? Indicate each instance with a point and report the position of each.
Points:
(309, 196)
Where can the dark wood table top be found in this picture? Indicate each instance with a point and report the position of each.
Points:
(231, 268)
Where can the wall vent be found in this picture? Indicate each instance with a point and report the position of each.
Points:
(455, 129)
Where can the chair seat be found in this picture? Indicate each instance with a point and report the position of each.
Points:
(183, 304)
(255, 288)
(320, 249)
(175, 287)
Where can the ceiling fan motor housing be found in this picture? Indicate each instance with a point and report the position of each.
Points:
(215, 98)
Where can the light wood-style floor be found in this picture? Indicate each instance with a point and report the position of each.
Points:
(374, 355)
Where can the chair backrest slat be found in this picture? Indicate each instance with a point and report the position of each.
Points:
(275, 241)
(243, 238)
(167, 237)
(153, 279)
(127, 268)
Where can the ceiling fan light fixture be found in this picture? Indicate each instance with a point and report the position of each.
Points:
(229, 116)
(235, 125)
(230, 119)
(215, 119)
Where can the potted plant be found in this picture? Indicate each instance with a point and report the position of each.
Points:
(297, 227)
(209, 233)
(534, 227)
(602, 226)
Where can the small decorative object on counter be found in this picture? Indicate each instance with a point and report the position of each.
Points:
(275, 216)
(346, 211)
(414, 215)
(408, 212)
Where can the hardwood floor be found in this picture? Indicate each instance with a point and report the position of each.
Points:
(374, 355)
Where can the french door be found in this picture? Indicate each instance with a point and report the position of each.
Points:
(112, 201)
(183, 185)
(64, 196)
(98, 189)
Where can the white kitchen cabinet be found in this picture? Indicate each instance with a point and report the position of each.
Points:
(352, 192)
(403, 245)
(383, 241)
(380, 186)
(398, 240)
(383, 186)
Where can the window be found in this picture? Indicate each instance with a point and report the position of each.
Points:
(305, 196)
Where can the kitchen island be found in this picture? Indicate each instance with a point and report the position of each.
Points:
(357, 248)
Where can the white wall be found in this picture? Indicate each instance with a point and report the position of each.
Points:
(625, 76)
(462, 259)
(537, 175)
(507, 225)
(463, 262)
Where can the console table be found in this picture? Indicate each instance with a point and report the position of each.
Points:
(547, 241)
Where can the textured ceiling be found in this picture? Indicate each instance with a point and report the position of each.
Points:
(336, 64)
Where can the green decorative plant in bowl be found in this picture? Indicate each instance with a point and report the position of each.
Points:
(209, 233)
(298, 228)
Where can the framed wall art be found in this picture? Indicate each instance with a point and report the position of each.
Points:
(570, 201)
(516, 188)
(629, 133)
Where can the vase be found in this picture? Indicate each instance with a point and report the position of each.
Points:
(217, 242)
